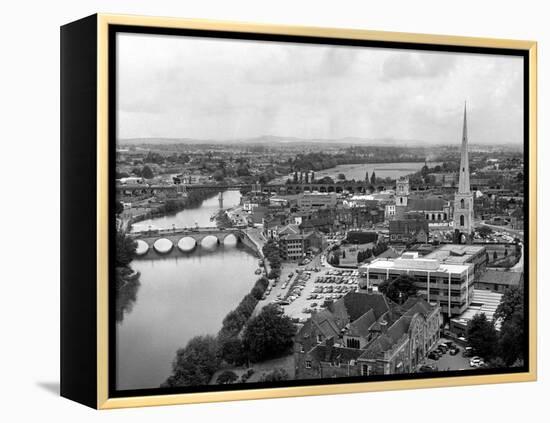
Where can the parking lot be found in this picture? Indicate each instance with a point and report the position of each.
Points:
(448, 361)
(312, 289)
(303, 289)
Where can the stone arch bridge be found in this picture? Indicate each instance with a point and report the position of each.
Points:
(164, 240)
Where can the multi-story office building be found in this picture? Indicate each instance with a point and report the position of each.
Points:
(295, 246)
(440, 278)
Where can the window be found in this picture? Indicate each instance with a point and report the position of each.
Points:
(461, 220)
(462, 203)
(308, 364)
(365, 370)
(302, 349)
(319, 338)
(352, 343)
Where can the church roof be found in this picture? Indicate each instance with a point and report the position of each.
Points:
(354, 304)
(361, 326)
(408, 225)
(426, 204)
(415, 305)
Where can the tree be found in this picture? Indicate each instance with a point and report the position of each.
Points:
(326, 180)
(127, 285)
(268, 335)
(232, 351)
(218, 175)
(147, 172)
(496, 363)
(484, 231)
(511, 342)
(125, 249)
(482, 336)
(373, 178)
(398, 289)
(275, 375)
(512, 302)
(195, 364)
(495, 255)
(233, 322)
(119, 207)
(226, 377)
(367, 176)
(511, 312)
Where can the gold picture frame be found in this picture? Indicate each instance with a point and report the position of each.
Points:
(102, 23)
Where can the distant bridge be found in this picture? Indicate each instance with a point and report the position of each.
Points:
(164, 240)
(283, 189)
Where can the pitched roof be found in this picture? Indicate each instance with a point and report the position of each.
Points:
(388, 339)
(415, 305)
(331, 353)
(426, 204)
(354, 304)
(408, 225)
(290, 229)
(361, 326)
(501, 278)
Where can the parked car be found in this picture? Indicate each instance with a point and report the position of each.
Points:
(454, 351)
(468, 351)
(443, 348)
(476, 361)
(427, 369)
(434, 355)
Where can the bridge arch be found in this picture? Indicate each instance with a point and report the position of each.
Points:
(231, 235)
(200, 241)
(163, 245)
(142, 247)
(185, 246)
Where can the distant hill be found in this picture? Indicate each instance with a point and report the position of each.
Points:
(274, 139)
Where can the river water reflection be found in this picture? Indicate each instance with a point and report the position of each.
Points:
(180, 296)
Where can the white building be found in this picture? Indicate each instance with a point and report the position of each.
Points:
(449, 284)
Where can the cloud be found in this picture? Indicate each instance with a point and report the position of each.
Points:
(406, 64)
(185, 87)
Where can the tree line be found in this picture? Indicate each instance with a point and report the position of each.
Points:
(242, 339)
(504, 348)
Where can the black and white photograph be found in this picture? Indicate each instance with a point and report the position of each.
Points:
(292, 212)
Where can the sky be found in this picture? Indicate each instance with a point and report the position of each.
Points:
(189, 87)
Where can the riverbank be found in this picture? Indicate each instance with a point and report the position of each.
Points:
(358, 171)
(171, 207)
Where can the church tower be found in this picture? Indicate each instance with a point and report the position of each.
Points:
(402, 193)
(464, 198)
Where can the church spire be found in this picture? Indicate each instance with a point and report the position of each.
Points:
(464, 172)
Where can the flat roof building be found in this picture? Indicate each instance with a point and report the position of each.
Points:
(441, 276)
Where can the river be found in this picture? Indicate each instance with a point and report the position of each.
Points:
(180, 296)
(358, 171)
(193, 216)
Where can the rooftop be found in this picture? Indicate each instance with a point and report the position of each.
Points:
(483, 301)
(501, 277)
(455, 253)
(419, 264)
